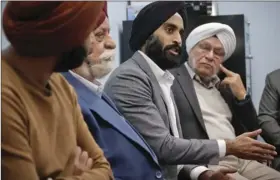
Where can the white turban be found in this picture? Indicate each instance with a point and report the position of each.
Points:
(223, 32)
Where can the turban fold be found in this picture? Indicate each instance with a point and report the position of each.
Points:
(103, 15)
(223, 32)
(151, 17)
(49, 28)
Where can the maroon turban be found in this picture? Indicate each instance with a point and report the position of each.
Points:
(48, 28)
(102, 16)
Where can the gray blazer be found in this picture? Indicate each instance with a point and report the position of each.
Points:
(138, 96)
(269, 109)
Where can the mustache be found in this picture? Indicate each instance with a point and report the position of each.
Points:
(177, 47)
(106, 57)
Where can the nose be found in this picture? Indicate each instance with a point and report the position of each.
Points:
(109, 43)
(210, 56)
(177, 39)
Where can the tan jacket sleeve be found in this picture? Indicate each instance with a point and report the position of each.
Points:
(17, 162)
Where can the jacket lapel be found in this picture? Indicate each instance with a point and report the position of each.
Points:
(177, 116)
(110, 102)
(106, 109)
(139, 59)
(118, 122)
(186, 83)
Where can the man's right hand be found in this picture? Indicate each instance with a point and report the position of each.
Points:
(245, 147)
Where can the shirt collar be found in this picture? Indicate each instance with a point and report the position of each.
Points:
(190, 70)
(161, 76)
(95, 86)
(215, 82)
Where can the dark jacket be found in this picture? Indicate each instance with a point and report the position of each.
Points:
(244, 117)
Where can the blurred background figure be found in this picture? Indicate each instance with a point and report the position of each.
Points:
(269, 113)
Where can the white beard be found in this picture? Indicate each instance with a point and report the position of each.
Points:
(105, 66)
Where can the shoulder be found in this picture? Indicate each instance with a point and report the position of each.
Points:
(174, 71)
(274, 74)
(272, 80)
(62, 89)
(13, 109)
(129, 67)
(128, 71)
(128, 80)
(10, 79)
(11, 86)
(59, 79)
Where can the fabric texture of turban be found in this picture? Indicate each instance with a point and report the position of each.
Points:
(102, 15)
(223, 32)
(48, 28)
(151, 17)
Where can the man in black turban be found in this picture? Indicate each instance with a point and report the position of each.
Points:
(141, 90)
(158, 31)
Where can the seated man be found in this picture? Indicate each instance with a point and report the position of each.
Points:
(141, 89)
(269, 113)
(42, 124)
(129, 155)
(214, 109)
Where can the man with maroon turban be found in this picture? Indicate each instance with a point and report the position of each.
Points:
(42, 124)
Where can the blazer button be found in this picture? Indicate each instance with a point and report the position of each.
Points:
(158, 175)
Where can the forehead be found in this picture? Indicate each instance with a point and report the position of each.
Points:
(213, 41)
(176, 20)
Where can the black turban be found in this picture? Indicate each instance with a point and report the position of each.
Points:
(151, 17)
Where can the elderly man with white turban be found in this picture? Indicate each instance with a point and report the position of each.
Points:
(213, 109)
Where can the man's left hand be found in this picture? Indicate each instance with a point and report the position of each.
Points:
(235, 83)
(221, 174)
(82, 162)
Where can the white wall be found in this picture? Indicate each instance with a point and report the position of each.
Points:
(264, 37)
(4, 41)
(117, 14)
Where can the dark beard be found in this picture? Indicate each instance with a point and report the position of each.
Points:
(160, 55)
(71, 60)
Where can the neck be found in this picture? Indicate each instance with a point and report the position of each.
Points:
(84, 71)
(205, 79)
(37, 69)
